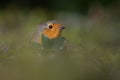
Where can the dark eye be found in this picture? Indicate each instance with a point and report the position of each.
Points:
(50, 26)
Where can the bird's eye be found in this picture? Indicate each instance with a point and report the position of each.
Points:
(50, 26)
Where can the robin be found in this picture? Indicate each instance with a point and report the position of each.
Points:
(49, 35)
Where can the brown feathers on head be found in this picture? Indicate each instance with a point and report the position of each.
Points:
(50, 29)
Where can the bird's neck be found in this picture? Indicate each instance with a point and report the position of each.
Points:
(52, 34)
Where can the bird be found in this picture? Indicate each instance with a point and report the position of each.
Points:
(49, 35)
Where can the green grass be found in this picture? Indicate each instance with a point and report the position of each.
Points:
(91, 55)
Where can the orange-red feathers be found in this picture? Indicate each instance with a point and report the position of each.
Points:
(50, 29)
(54, 31)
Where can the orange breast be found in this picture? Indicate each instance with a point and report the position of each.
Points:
(55, 32)
(52, 34)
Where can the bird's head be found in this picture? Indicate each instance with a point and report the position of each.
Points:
(53, 29)
(50, 29)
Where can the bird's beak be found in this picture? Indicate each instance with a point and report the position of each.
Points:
(62, 27)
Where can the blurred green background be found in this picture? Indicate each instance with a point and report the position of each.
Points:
(92, 33)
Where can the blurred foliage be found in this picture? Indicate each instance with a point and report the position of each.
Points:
(93, 41)
(81, 6)
(92, 51)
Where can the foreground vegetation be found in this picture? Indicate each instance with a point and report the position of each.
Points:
(92, 52)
